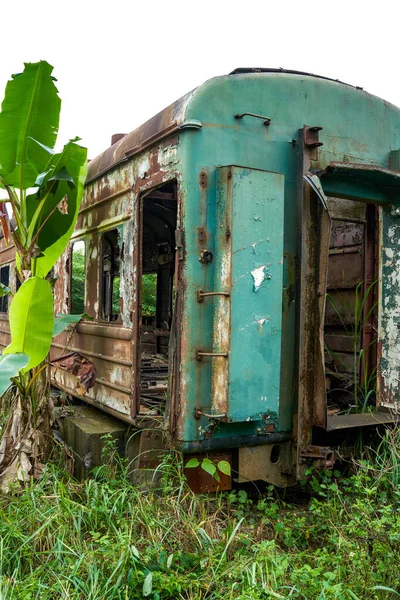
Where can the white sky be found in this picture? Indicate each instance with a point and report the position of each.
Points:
(119, 62)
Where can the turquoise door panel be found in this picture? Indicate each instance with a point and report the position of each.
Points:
(249, 265)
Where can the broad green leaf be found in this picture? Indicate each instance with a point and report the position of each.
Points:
(192, 463)
(59, 183)
(224, 467)
(135, 552)
(58, 229)
(31, 320)
(28, 124)
(62, 175)
(46, 148)
(61, 322)
(10, 366)
(208, 466)
(148, 584)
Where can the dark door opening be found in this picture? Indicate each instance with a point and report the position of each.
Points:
(351, 302)
(156, 294)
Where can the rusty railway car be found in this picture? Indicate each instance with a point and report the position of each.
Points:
(260, 214)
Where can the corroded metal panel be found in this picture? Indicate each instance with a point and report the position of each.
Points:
(345, 269)
(389, 326)
(220, 390)
(111, 201)
(271, 463)
(158, 127)
(249, 253)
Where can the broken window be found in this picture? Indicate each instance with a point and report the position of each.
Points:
(149, 294)
(350, 313)
(4, 280)
(78, 277)
(158, 225)
(110, 275)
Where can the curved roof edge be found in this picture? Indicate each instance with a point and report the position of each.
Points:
(164, 123)
(243, 70)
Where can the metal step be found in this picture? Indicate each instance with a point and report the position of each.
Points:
(336, 422)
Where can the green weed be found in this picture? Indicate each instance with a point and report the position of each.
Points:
(363, 381)
(106, 539)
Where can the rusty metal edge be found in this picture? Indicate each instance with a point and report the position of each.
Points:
(113, 359)
(106, 199)
(123, 417)
(151, 141)
(234, 442)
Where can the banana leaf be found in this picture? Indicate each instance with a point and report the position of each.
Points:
(62, 182)
(31, 321)
(28, 125)
(10, 366)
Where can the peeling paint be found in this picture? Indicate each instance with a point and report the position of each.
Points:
(168, 157)
(143, 167)
(260, 322)
(127, 276)
(260, 274)
(389, 330)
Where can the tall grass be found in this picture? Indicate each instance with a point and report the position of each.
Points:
(106, 539)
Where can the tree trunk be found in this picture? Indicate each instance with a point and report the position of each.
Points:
(27, 438)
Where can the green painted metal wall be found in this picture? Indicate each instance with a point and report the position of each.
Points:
(357, 128)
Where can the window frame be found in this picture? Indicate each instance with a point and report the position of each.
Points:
(116, 318)
(4, 299)
(70, 263)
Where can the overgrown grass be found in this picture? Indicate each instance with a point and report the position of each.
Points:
(106, 539)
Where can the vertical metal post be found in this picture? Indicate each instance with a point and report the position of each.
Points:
(311, 281)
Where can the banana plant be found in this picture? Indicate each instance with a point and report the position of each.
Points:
(40, 195)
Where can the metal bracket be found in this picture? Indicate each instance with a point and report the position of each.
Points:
(201, 295)
(200, 354)
(191, 124)
(267, 120)
(320, 456)
(311, 137)
(199, 413)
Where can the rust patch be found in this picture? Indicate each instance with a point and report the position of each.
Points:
(81, 367)
(222, 306)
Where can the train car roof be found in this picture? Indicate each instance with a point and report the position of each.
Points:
(170, 120)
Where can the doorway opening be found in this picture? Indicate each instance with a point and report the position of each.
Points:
(351, 307)
(156, 294)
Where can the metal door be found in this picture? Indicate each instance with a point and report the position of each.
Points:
(248, 310)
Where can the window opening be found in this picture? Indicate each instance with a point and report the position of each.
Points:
(78, 278)
(5, 280)
(149, 295)
(110, 284)
(159, 219)
(350, 313)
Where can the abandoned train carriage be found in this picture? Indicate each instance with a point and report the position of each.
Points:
(262, 212)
